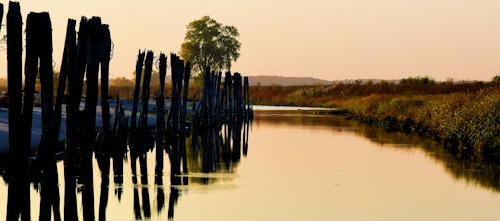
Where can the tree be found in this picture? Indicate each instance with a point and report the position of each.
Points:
(496, 79)
(208, 43)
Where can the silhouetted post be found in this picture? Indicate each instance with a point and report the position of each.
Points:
(187, 75)
(49, 193)
(92, 77)
(117, 108)
(146, 207)
(70, 204)
(245, 95)
(172, 201)
(67, 65)
(138, 74)
(160, 120)
(137, 205)
(19, 193)
(173, 120)
(219, 99)
(105, 48)
(14, 74)
(88, 201)
(104, 159)
(230, 96)
(75, 83)
(237, 95)
(148, 69)
(224, 98)
(1, 15)
(38, 46)
(104, 165)
(182, 137)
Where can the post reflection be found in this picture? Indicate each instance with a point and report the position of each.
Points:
(209, 151)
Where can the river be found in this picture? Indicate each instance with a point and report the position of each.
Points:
(300, 166)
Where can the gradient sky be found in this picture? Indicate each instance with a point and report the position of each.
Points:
(328, 39)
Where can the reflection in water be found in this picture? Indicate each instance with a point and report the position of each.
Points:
(209, 155)
(211, 151)
(473, 171)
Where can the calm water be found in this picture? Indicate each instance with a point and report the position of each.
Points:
(302, 167)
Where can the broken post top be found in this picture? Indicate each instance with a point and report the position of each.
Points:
(99, 39)
(1, 15)
(138, 66)
(39, 34)
(14, 13)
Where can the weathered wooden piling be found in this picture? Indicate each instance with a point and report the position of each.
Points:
(182, 135)
(138, 75)
(92, 78)
(76, 71)
(39, 46)
(246, 89)
(1, 15)
(160, 120)
(177, 67)
(67, 65)
(187, 75)
(148, 70)
(14, 74)
(105, 47)
(19, 192)
(75, 90)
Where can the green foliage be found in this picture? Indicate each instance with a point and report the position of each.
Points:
(469, 119)
(208, 43)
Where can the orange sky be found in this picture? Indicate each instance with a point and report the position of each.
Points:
(329, 39)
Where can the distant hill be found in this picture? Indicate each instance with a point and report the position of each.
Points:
(285, 81)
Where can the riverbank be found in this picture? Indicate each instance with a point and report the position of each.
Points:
(465, 122)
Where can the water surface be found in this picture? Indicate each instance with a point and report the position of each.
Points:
(301, 167)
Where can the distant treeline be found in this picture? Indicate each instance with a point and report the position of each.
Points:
(335, 95)
(311, 95)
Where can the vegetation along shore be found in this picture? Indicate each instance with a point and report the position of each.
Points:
(464, 116)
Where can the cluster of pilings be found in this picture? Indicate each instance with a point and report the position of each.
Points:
(86, 53)
(82, 57)
(227, 105)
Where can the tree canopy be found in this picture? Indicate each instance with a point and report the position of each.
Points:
(208, 43)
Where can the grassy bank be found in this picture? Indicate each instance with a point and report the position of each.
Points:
(335, 95)
(464, 116)
(465, 121)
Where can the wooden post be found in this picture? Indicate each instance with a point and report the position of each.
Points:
(92, 77)
(67, 65)
(187, 75)
(138, 74)
(160, 121)
(1, 15)
(75, 83)
(75, 75)
(14, 75)
(173, 121)
(105, 48)
(245, 92)
(182, 138)
(148, 69)
(19, 190)
(116, 119)
(38, 46)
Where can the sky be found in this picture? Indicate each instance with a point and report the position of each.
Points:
(327, 39)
